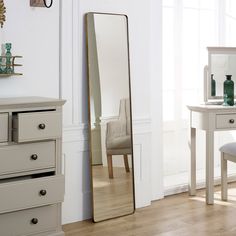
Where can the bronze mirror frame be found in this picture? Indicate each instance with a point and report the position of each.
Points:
(89, 87)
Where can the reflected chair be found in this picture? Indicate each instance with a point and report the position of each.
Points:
(118, 137)
(228, 153)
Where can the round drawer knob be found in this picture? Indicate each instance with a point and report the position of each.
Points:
(231, 121)
(34, 157)
(43, 192)
(34, 221)
(42, 126)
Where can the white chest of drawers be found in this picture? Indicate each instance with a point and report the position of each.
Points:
(31, 181)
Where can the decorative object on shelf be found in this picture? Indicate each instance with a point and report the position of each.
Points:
(1, 67)
(228, 91)
(9, 68)
(2, 59)
(2, 13)
(41, 3)
(7, 61)
(213, 86)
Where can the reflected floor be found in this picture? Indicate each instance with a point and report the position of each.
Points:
(112, 197)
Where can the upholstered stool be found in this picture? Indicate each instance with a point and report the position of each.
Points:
(228, 153)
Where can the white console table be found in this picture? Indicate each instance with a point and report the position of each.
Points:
(209, 118)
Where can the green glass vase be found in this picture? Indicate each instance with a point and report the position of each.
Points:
(228, 91)
(1, 70)
(213, 86)
(9, 68)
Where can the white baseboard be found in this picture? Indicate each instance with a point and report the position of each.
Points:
(175, 189)
(75, 211)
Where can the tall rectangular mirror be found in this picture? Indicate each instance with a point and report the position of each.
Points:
(110, 116)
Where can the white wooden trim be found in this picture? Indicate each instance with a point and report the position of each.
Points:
(182, 188)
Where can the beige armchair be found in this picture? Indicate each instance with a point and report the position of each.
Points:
(118, 137)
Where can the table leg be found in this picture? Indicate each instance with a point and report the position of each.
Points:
(210, 167)
(192, 178)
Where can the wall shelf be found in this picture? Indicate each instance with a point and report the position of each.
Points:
(11, 74)
(12, 65)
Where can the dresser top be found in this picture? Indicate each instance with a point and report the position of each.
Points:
(18, 102)
(211, 108)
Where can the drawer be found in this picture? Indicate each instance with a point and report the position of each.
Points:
(3, 127)
(18, 195)
(34, 126)
(27, 157)
(226, 121)
(26, 222)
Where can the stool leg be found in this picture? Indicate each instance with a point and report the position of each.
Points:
(224, 184)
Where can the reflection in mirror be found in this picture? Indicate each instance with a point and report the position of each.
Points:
(110, 116)
(221, 62)
(222, 65)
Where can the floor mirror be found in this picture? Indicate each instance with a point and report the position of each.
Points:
(110, 117)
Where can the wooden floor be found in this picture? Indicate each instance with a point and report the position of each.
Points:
(178, 215)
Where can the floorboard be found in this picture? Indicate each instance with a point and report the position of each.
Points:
(177, 215)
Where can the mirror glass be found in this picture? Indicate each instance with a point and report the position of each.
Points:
(222, 62)
(110, 116)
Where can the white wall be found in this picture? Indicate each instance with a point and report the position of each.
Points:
(74, 89)
(156, 99)
(33, 33)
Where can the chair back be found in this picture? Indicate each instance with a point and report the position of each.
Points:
(124, 113)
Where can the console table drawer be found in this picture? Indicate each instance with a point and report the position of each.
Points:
(26, 222)
(225, 121)
(34, 126)
(29, 193)
(3, 127)
(27, 157)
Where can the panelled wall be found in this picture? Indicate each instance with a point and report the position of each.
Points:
(74, 88)
(34, 33)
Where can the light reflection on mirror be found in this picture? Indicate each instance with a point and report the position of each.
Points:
(110, 116)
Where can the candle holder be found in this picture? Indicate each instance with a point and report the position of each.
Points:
(7, 61)
(8, 68)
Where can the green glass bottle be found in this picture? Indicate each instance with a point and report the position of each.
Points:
(213, 86)
(228, 91)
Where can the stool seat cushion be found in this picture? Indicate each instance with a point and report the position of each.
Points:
(229, 148)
